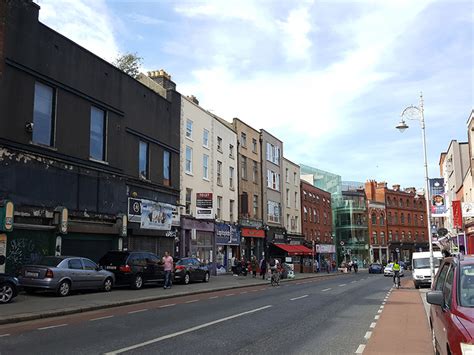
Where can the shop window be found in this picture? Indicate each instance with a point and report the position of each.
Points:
(97, 134)
(166, 168)
(374, 219)
(43, 115)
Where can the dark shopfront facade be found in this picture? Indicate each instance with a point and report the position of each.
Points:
(252, 239)
(227, 246)
(197, 239)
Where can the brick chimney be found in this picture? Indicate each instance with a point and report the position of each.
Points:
(370, 190)
(396, 187)
(163, 79)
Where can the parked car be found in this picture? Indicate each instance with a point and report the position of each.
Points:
(375, 268)
(62, 274)
(9, 288)
(134, 268)
(452, 306)
(190, 269)
(388, 271)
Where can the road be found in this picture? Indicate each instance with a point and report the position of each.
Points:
(325, 316)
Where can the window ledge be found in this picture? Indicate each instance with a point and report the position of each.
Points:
(44, 146)
(206, 179)
(189, 138)
(99, 161)
(190, 173)
(206, 147)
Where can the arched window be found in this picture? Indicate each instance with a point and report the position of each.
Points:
(396, 218)
(390, 219)
(382, 219)
(374, 238)
(396, 236)
(409, 219)
(389, 236)
(389, 201)
(408, 203)
(422, 221)
(400, 202)
(374, 219)
(402, 218)
(416, 236)
(310, 214)
(415, 219)
(382, 238)
(409, 236)
(305, 213)
(403, 236)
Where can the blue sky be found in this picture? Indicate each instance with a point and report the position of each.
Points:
(329, 78)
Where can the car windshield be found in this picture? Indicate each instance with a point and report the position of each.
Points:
(466, 285)
(50, 261)
(113, 258)
(424, 263)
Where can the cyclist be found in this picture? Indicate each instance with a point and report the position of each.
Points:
(396, 273)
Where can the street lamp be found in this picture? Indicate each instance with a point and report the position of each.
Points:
(417, 113)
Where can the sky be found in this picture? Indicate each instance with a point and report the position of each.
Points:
(329, 78)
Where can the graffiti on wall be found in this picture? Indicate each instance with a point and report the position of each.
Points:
(23, 251)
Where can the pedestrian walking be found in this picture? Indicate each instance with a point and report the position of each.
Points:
(316, 264)
(263, 268)
(168, 266)
(254, 266)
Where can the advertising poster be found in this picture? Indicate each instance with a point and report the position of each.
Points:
(468, 209)
(204, 208)
(150, 214)
(457, 214)
(437, 198)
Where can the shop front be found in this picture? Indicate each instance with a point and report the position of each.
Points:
(227, 246)
(326, 256)
(197, 239)
(291, 254)
(253, 243)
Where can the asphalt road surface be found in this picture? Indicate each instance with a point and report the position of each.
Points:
(325, 316)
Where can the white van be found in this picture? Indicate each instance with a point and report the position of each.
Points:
(421, 267)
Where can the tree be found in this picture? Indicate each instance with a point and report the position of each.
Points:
(129, 63)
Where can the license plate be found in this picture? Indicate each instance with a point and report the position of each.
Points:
(31, 274)
(111, 267)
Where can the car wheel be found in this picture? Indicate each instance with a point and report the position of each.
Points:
(64, 288)
(6, 293)
(137, 282)
(206, 277)
(187, 279)
(108, 283)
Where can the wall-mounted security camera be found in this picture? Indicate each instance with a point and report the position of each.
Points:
(29, 127)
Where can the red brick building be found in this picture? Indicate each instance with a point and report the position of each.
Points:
(397, 222)
(316, 214)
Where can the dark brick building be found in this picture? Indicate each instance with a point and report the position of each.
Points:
(78, 139)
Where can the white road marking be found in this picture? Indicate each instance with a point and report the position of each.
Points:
(326, 289)
(376, 317)
(230, 294)
(189, 330)
(360, 349)
(368, 335)
(52, 326)
(4, 335)
(213, 297)
(243, 293)
(382, 307)
(138, 311)
(373, 324)
(99, 318)
(383, 302)
(298, 298)
(342, 285)
(192, 301)
(379, 311)
(353, 282)
(168, 305)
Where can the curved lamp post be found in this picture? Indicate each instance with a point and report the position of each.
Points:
(417, 113)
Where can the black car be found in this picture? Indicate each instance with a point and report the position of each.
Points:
(9, 288)
(134, 268)
(190, 269)
(375, 268)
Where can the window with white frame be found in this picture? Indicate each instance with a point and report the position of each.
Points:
(243, 164)
(273, 180)
(219, 144)
(205, 166)
(273, 154)
(231, 151)
(273, 211)
(189, 160)
(43, 115)
(254, 145)
(189, 194)
(255, 171)
(296, 198)
(287, 175)
(288, 204)
(189, 128)
(295, 179)
(205, 138)
(219, 207)
(219, 173)
(255, 205)
(243, 140)
(231, 210)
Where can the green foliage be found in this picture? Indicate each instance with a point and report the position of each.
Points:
(129, 63)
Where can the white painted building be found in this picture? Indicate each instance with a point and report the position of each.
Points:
(291, 211)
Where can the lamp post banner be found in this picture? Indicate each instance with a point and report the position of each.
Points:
(437, 198)
(457, 214)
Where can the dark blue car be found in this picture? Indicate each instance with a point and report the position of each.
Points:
(375, 268)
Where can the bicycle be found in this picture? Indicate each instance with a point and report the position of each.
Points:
(396, 279)
(275, 280)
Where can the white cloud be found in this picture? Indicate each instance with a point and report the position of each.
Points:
(145, 20)
(86, 22)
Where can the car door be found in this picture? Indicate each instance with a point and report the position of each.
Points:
(93, 277)
(153, 267)
(200, 270)
(76, 272)
(437, 312)
(446, 314)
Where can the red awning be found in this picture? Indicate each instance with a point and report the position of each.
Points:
(253, 233)
(295, 249)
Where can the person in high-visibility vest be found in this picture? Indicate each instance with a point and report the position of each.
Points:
(396, 273)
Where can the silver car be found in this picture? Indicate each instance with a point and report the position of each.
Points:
(62, 274)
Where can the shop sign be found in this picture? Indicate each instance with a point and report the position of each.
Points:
(150, 214)
(437, 198)
(226, 234)
(204, 208)
(253, 233)
(325, 248)
(468, 209)
(278, 236)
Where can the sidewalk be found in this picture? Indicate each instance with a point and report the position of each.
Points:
(403, 326)
(43, 305)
